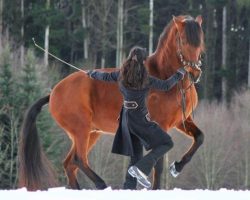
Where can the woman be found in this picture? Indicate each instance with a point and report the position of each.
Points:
(135, 127)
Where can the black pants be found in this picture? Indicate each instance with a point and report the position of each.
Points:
(146, 163)
(130, 182)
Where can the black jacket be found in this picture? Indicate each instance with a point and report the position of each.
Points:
(136, 122)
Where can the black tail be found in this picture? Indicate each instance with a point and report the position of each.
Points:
(35, 171)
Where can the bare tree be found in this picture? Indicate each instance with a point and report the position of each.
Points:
(46, 40)
(1, 24)
(209, 14)
(106, 5)
(151, 21)
(84, 25)
(119, 37)
(248, 83)
(22, 34)
(224, 50)
(101, 29)
(166, 182)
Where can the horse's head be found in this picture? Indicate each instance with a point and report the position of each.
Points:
(189, 43)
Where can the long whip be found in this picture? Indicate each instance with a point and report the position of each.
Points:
(39, 47)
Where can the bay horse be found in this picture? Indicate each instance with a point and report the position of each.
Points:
(87, 108)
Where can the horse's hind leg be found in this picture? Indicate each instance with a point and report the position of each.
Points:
(81, 159)
(192, 130)
(71, 168)
(94, 136)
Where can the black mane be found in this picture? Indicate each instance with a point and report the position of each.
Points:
(192, 30)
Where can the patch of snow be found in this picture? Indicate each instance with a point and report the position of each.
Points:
(62, 193)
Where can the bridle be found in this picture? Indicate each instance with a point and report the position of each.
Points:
(196, 65)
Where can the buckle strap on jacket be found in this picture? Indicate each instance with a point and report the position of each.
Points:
(130, 104)
(149, 118)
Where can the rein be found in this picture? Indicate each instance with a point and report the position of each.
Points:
(195, 65)
(183, 91)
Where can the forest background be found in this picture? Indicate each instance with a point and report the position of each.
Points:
(99, 33)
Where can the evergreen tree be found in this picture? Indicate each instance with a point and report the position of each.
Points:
(28, 88)
(8, 134)
(6, 81)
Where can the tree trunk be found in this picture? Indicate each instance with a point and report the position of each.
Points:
(165, 172)
(209, 56)
(224, 51)
(1, 25)
(103, 61)
(22, 35)
(119, 37)
(151, 21)
(104, 33)
(246, 181)
(84, 25)
(46, 40)
(248, 83)
(217, 82)
(233, 47)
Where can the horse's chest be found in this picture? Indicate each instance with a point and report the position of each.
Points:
(167, 107)
(161, 105)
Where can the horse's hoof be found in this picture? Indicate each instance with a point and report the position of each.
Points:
(101, 186)
(72, 188)
(173, 170)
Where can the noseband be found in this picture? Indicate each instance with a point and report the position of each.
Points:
(195, 65)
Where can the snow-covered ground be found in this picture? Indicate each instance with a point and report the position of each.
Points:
(109, 194)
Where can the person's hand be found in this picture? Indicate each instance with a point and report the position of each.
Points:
(89, 73)
(182, 71)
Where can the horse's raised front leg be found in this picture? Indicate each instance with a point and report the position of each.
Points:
(198, 137)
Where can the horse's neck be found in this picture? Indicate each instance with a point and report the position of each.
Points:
(163, 64)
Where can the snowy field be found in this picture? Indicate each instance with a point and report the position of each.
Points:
(109, 194)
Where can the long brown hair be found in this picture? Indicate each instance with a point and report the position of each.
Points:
(133, 73)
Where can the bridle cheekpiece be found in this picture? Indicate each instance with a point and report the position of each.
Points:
(196, 65)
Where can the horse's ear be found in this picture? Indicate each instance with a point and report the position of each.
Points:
(199, 19)
(178, 23)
